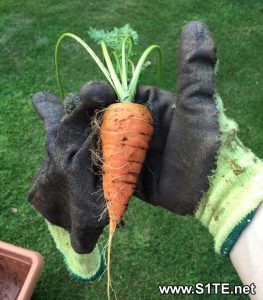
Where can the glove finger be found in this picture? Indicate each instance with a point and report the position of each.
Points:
(75, 127)
(196, 65)
(159, 101)
(97, 95)
(88, 208)
(71, 102)
(73, 130)
(194, 137)
(162, 106)
(84, 241)
(51, 110)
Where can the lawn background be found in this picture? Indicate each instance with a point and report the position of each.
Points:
(155, 247)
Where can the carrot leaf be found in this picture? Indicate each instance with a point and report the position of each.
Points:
(113, 39)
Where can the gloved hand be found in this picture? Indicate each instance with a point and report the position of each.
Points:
(204, 170)
(196, 164)
(66, 190)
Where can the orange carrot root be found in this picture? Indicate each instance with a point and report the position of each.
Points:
(125, 134)
(125, 126)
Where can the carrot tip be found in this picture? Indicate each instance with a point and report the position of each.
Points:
(112, 228)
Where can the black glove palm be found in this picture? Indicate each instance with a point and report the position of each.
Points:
(65, 189)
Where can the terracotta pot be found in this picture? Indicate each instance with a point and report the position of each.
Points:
(19, 271)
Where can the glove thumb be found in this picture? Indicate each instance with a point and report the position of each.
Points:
(51, 110)
(196, 65)
(97, 95)
(84, 241)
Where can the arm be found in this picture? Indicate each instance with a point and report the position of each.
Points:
(218, 179)
(247, 254)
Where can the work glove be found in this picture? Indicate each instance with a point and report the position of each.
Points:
(66, 189)
(196, 164)
(204, 168)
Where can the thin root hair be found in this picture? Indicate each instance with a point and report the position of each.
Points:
(97, 191)
(101, 160)
(119, 190)
(103, 212)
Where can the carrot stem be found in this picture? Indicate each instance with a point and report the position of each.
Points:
(124, 60)
(88, 49)
(124, 92)
(116, 60)
(120, 90)
(137, 71)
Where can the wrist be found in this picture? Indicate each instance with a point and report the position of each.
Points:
(236, 188)
(83, 267)
(247, 254)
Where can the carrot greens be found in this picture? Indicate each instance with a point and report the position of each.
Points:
(117, 66)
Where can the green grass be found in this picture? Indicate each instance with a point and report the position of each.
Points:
(155, 247)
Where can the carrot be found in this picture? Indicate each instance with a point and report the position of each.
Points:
(126, 127)
(126, 131)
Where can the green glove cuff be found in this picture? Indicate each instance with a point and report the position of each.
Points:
(84, 267)
(236, 188)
